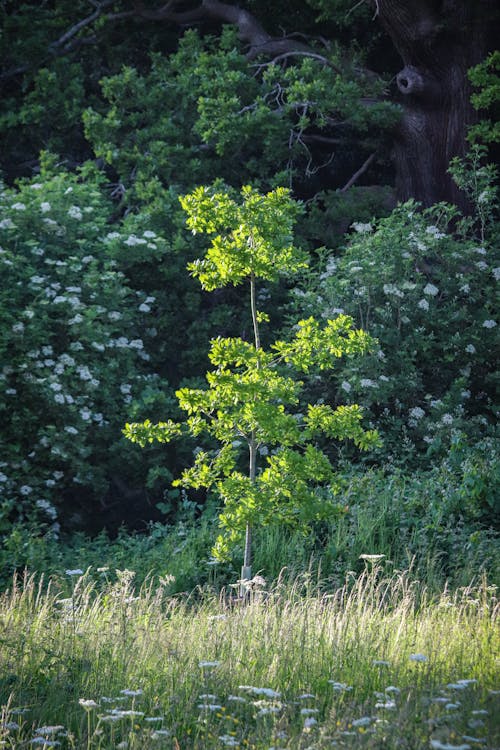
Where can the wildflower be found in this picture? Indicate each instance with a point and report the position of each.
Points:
(6, 224)
(447, 419)
(44, 741)
(361, 228)
(437, 745)
(346, 386)
(110, 717)
(47, 507)
(339, 686)
(75, 572)
(127, 712)
(49, 730)
(372, 558)
(431, 290)
(75, 213)
(417, 412)
(19, 206)
(389, 705)
(461, 684)
(236, 699)
(45, 206)
(88, 704)
(229, 741)
(367, 383)
(365, 721)
(209, 706)
(418, 657)
(423, 305)
(26, 490)
(132, 693)
(308, 711)
(434, 232)
(309, 723)
(304, 696)
(496, 273)
(268, 692)
(489, 324)
(133, 240)
(380, 663)
(18, 328)
(208, 664)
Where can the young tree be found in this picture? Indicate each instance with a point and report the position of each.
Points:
(248, 406)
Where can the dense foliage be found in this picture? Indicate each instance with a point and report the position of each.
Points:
(115, 118)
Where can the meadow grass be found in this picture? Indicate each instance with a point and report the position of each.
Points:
(91, 662)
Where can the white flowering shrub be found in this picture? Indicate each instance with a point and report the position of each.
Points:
(74, 349)
(425, 286)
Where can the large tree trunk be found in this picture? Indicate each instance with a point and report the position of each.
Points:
(438, 40)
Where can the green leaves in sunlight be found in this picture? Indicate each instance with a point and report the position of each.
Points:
(258, 446)
(251, 237)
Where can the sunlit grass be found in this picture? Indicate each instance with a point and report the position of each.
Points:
(378, 663)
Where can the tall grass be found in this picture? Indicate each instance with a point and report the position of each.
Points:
(377, 663)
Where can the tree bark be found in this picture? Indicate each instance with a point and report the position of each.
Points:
(438, 41)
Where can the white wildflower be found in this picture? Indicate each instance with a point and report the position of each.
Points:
(132, 693)
(365, 721)
(74, 572)
(434, 232)
(447, 419)
(361, 228)
(423, 304)
(309, 723)
(75, 213)
(267, 692)
(144, 308)
(417, 412)
(339, 686)
(18, 207)
(133, 240)
(489, 324)
(418, 657)
(431, 290)
(45, 206)
(346, 386)
(87, 704)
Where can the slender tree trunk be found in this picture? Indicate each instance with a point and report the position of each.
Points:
(246, 570)
(438, 41)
